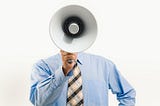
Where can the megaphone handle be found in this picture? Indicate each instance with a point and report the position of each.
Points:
(70, 61)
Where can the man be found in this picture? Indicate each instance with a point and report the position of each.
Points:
(52, 78)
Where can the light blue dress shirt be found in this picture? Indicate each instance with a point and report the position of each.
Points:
(49, 84)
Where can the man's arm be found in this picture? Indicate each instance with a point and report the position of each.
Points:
(46, 86)
(119, 86)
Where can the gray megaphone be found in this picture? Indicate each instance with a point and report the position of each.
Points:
(73, 28)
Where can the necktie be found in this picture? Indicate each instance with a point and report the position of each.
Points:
(75, 96)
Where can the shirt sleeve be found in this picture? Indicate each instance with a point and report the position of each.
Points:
(45, 86)
(119, 86)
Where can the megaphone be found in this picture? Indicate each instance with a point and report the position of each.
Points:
(73, 28)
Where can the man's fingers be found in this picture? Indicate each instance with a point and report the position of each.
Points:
(70, 64)
(69, 60)
(63, 53)
(71, 57)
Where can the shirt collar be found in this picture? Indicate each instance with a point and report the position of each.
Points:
(79, 60)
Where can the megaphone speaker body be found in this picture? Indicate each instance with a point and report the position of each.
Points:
(73, 28)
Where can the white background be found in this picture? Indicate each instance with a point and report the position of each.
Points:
(128, 34)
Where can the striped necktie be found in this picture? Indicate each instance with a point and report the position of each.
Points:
(75, 96)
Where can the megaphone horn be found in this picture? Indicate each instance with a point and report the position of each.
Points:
(73, 28)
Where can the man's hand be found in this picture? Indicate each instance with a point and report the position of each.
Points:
(68, 60)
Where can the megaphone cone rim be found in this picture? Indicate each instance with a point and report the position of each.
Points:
(95, 28)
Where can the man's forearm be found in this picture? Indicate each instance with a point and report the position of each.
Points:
(46, 91)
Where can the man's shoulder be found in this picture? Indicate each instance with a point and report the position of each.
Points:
(48, 64)
(95, 57)
(49, 60)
